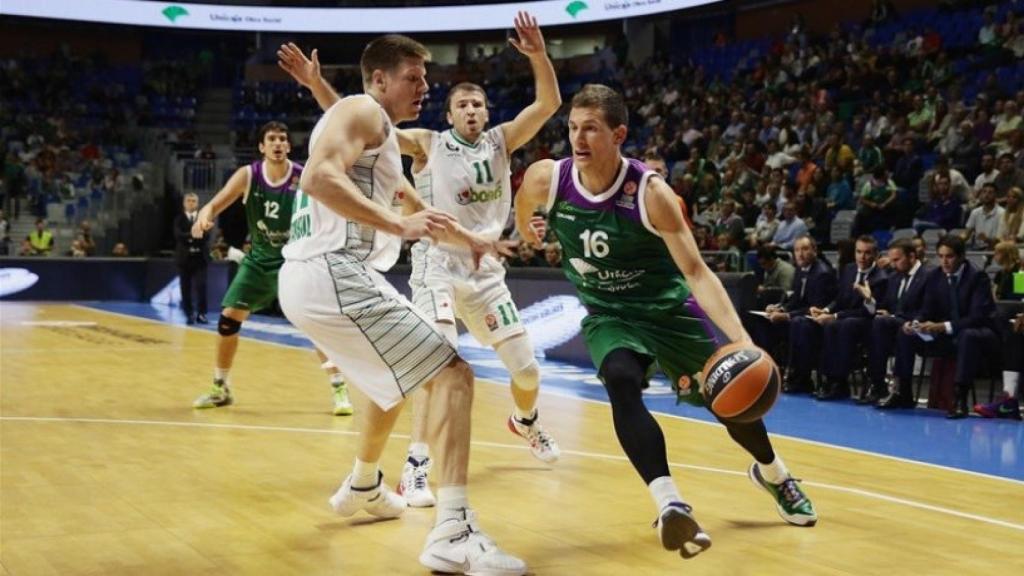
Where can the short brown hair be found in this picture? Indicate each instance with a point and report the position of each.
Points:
(464, 87)
(905, 245)
(608, 101)
(387, 52)
(272, 126)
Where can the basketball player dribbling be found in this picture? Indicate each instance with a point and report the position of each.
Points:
(630, 254)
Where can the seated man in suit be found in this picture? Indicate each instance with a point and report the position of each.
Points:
(898, 304)
(846, 320)
(814, 284)
(957, 316)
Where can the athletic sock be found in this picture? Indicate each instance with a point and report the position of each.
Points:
(525, 417)
(452, 503)
(221, 374)
(419, 450)
(337, 379)
(775, 471)
(365, 474)
(664, 492)
(1010, 382)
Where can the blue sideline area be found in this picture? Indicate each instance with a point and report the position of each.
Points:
(992, 447)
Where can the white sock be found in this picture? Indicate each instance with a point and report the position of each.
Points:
(221, 374)
(452, 502)
(1010, 382)
(664, 491)
(522, 415)
(337, 379)
(365, 474)
(419, 450)
(776, 472)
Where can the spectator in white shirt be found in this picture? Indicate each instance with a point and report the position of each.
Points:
(983, 223)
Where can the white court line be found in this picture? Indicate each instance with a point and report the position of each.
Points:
(595, 455)
(564, 394)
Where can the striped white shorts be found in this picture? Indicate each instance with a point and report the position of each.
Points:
(382, 344)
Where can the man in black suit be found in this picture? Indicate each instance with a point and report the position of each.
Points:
(957, 316)
(192, 256)
(845, 321)
(814, 285)
(898, 304)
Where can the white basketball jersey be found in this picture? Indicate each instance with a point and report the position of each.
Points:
(470, 181)
(317, 230)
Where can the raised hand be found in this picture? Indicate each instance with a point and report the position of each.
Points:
(292, 60)
(531, 41)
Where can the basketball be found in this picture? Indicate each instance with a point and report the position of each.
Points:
(741, 383)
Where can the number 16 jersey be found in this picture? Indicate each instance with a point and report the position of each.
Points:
(610, 251)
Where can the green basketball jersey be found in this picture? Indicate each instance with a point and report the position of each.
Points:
(610, 252)
(268, 211)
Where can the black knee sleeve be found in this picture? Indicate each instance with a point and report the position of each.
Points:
(228, 326)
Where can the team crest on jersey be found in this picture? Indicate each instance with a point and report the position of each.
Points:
(629, 188)
(294, 184)
(452, 149)
(492, 322)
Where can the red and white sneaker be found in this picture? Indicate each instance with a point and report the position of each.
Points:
(542, 445)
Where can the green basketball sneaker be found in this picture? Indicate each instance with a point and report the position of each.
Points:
(793, 505)
(342, 405)
(218, 395)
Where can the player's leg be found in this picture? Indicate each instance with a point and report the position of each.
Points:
(770, 473)
(339, 392)
(432, 294)
(228, 326)
(485, 305)
(624, 374)
(456, 543)
(251, 289)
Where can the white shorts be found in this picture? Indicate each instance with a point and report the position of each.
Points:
(380, 342)
(445, 286)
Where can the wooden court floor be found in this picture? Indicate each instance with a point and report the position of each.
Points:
(105, 469)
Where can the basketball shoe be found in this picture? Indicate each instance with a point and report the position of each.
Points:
(457, 546)
(793, 505)
(1005, 406)
(379, 500)
(414, 487)
(542, 445)
(218, 395)
(678, 530)
(342, 405)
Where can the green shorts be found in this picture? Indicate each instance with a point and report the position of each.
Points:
(254, 287)
(680, 351)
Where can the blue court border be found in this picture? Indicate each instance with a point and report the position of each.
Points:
(990, 447)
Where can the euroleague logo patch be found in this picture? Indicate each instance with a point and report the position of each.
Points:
(492, 322)
(629, 188)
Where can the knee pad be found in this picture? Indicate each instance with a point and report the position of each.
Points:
(228, 326)
(517, 356)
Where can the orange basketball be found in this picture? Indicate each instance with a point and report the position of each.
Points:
(741, 383)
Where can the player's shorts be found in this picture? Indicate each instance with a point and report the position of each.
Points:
(254, 286)
(679, 348)
(445, 286)
(380, 342)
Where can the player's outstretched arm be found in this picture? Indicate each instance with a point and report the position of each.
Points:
(306, 71)
(456, 233)
(666, 215)
(527, 123)
(533, 194)
(233, 189)
(351, 126)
